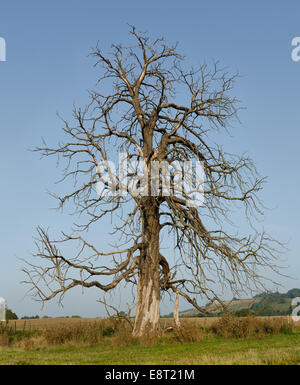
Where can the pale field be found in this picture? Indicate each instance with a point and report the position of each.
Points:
(48, 323)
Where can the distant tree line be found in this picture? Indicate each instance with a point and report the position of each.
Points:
(10, 315)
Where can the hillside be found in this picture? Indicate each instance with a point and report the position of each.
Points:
(264, 304)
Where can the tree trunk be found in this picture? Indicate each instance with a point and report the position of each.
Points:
(147, 319)
(176, 312)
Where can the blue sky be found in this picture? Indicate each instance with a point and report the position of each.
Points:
(47, 69)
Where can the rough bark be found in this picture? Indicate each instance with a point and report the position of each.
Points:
(147, 318)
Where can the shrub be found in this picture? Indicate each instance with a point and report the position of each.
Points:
(243, 312)
(189, 332)
(10, 315)
(91, 333)
(230, 326)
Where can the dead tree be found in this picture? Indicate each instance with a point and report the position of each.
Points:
(155, 111)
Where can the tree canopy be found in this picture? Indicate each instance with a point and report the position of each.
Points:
(160, 114)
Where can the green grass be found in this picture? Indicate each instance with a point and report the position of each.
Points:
(275, 349)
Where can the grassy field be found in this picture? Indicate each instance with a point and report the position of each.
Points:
(279, 349)
(197, 345)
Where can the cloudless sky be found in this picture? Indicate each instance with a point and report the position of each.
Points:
(47, 69)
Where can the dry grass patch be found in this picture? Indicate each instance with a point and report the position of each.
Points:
(230, 326)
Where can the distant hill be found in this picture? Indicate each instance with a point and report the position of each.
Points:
(264, 304)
